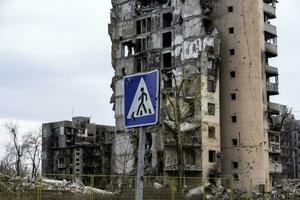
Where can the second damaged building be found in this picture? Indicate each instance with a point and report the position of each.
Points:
(177, 38)
(77, 147)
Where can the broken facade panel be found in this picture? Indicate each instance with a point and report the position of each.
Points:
(174, 37)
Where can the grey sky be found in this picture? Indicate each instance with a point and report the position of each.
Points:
(55, 55)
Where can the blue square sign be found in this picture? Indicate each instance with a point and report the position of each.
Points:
(141, 99)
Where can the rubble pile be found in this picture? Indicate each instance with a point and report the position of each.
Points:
(285, 189)
(214, 192)
(20, 184)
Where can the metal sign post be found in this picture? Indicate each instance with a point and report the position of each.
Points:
(140, 167)
(141, 109)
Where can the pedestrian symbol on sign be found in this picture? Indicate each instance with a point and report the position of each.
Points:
(141, 105)
(141, 95)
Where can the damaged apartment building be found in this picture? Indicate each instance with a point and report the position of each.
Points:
(226, 44)
(177, 38)
(76, 147)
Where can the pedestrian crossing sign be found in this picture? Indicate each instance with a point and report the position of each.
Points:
(141, 99)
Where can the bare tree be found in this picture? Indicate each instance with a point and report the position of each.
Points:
(124, 155)
(177, 109)
(33, 141)
(17, 149)
(7, 164)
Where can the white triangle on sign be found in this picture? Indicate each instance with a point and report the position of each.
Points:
(141, 105)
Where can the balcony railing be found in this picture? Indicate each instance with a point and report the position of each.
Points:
(272, 88)
(275, 167)
(271, 71)
(271, 29)
(275, 108)
(274, 147)
(187, 167)
(270, 10)
(271, 49)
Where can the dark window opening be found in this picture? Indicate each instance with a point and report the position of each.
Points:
(211, 108)
(148, 141)
(211, 132)
(234, 119)
(231, 30)
(232, 52)
(142, 44)
(233, 96)
(167, 60)
(207, 23)
(167, 39)
(148, 24)
(168, 81)
(128, 49)
(235, 177)
(211, 86)
(138, 27)
(147, 3)
(143, 26)
(212, 156)
(232, 74)
(167, 20)
(230, 9)
(235, 165)
(138, 65)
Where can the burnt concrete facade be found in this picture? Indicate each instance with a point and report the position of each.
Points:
(76, 147)
(177, 38)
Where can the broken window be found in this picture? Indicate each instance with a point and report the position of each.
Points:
(234, 142)
(234, 119)
(168, 81)
(233, 96)
(231, 30)
(230, 9)
(140, 64)
(232, 52)
(212, 156)
(211, 86)
(235, 177)
(235, 165)
(232, 74)
(127, 49)
(207, 23)
(167, 39)
(143, 25)
(167, 20)
(148, 141)
(211, 132)
(190, 157)
(151, 3)
(167, 60)
(142, 44)
(211, 108)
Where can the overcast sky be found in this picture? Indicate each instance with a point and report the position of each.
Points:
(55, 58)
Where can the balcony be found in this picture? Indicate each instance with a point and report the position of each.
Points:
(194, 142)
(275, 167)
(272, 88)
(271, 49)
(274, 147)
(271, 71)
(196, 168)
(275, 108)
(270, 10)
(271, 29)
(62, 165)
